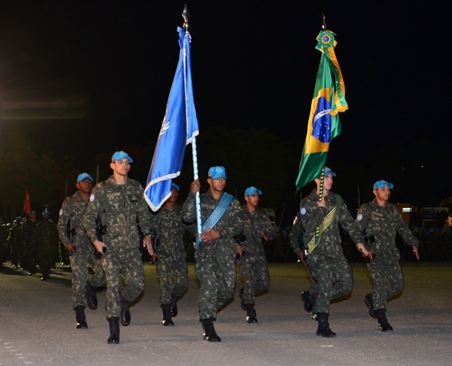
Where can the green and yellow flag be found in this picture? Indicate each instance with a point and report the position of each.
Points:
(327, 102)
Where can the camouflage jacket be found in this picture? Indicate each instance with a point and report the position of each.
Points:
(47, 238)
(71, 218)
(296, 239)
(28, 234)
(380, 225)
(255, 224)
(122, 209)
(230, 224)
(311, 216)
(168, 232)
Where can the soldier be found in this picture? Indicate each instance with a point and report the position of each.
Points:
(80, 250)
(380, 221)
(169, 249)
(28, 243)
(257, 228)
(119, 204)
(323, 255)
(47, 243)
(14, 242)
(215, 255)
(4, 250)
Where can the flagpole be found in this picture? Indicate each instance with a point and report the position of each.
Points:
(186, 15)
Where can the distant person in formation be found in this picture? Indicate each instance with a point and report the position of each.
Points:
(47, 242)
(28, 243)
(257, 229)
(215, 254)
(322, 250)
(14, 242)
(80, 249)
(118, 204)
(4, 250)
(379, 220)
(170, 256)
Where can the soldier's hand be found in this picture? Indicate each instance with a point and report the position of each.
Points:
(239, 250)
(416, 252)
(148, 244)
(195, 186)
(99, 245)
(300, 256)
(211, 234)
(70, 248)
(363, 250)
(264, 237)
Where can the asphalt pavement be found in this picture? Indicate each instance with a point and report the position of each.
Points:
(37, 325)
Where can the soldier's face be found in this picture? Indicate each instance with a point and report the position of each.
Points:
(382, 194)
(85, 186)
(174, 195)
(252, 200)
(217, 184)
(121, 167)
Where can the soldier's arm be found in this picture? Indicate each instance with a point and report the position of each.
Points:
(362, 218)
(295, 233)
(403, 230)
(234, 225)
(347, 222)
(266, 227)
(62, 222)
(91, 213)
(144, 214)
(188, 209)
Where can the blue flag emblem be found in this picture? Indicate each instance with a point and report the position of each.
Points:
(179, 127)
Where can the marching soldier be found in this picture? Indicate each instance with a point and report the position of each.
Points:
(257, 228)
(170, 253)
(379, 220)
(119, 205)
(323, 255)
(28, 243)
(80, 249)
(47, 243)
(215, 255)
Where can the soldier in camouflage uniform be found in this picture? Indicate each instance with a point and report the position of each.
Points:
(47, 243)
(119, 204)
(28, 243)
(252, 262)
(80, 249)
(215, 255)
(379, 220)
(171, 263)
(14, 243)
(330, 272)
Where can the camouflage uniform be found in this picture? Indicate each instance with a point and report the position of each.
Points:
(47, 243)
(330, 271)
(380, 225)
(253, 263)
(15, 244)
(121, 208)
(73, 210)
(215, 260)
(171, 265)
(4, 252)
(28, 244)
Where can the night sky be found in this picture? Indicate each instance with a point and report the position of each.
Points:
(79, 77)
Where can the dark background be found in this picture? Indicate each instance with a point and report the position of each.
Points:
(81, 79)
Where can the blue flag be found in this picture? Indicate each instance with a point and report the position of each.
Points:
(179, 127)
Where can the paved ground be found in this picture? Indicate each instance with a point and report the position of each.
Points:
(37, 326)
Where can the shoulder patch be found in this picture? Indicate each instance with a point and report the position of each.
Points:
(61, 212)
(359, 217)
(91, 198)
(303, 211)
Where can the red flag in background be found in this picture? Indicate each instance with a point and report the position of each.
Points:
(27, 204)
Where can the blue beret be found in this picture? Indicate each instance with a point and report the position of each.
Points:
(383, 184)
(175, 186)
(217, 172)
(83, 176)
(252, 190)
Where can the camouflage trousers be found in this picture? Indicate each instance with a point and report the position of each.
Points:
(172, 274)
(124, 263)
(387, 279)
(80, 262)
(254, 274)
(215, 269)
(331, 279)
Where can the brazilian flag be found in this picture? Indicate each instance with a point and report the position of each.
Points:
(327, 102)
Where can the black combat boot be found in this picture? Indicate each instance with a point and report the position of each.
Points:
(80, 317)
(382, 321)
(250, 313)
(308, 303)
(125, 313)
(174, 308)
(114, 330)
(210, 334)
(323, 329)
(91, 298)
(166, 310)
(368, 300)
